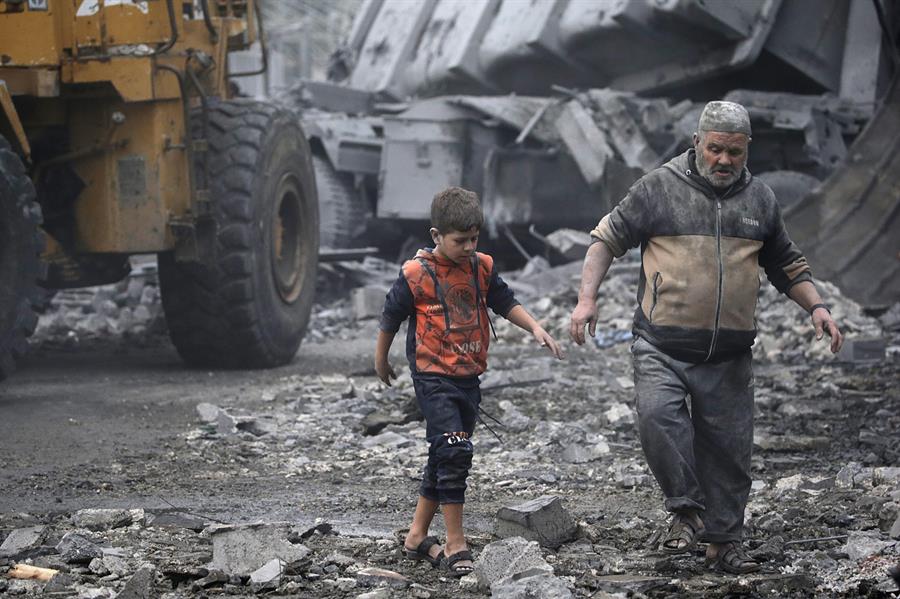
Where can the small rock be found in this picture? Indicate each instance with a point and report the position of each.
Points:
(544, 520)
(242, 549)
(862, 544)
(508, 557)
(577, 453)
(76, 547)
(140, 585)
(60, 583)
(268, 572)
(378, 576)
(178, 520)
(541, 586)
(387, 439)
(21, 539)
(208, 412)
(376, 594)
(895, 529)
(102, 519)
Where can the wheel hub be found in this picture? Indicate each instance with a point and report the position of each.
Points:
(286, 259)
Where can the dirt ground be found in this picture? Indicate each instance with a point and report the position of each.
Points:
(112, 424)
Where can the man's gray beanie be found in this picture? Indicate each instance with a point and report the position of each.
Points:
(725, 117)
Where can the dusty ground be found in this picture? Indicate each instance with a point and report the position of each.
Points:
(113, 424)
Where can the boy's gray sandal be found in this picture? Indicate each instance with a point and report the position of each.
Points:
(422, 552)
(451, 562)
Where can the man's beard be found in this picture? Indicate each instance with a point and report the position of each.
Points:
(709, 174)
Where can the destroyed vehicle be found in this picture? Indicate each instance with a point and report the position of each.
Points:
(551, 113)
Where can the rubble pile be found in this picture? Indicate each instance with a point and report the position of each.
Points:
(564, 469)
(128, 311)
(561, 502)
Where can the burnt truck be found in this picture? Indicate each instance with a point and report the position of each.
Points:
(551, 109)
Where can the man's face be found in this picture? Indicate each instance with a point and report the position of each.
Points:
(721, 156)
(455, 245)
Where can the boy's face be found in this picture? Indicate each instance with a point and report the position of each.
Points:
(455, 245)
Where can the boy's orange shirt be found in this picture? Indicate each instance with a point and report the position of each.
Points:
(452, 331)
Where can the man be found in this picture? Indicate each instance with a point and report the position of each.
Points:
(704, 226)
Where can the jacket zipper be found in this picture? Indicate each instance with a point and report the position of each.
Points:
(715, 336)
(656, 277)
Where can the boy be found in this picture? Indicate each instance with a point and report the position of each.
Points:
(445, 293)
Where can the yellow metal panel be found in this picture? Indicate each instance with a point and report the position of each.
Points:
(124, 22)
(33, 38)
(132, 191)
(9, 116)
(41, 83)
(134, 78)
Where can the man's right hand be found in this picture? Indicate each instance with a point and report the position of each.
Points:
(585, 313)
(385, 371)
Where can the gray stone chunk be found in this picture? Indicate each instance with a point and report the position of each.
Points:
(862, 544)
(21, 539)
(541, 586)
(860, 351)
(208, 412)
(77, 547)
(268, 572)
(244, 548)
(178, 520)
(895, 529)
(544, 520)
(368, 301)
(101, 519)
(140, 585)
(506, 558)
(379, 576)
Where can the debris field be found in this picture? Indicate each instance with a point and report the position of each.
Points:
(560, 502)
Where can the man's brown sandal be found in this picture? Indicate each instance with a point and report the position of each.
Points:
(684, 529)
(451, 562)
(733, 559)
(422, 552)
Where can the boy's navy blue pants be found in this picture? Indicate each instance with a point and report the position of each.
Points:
(450, 407)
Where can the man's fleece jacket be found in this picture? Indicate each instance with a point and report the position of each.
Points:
(700, 256)
(446, 304)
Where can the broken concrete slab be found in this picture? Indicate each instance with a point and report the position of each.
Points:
(380, 576)
(541, 586)
(242, 549)
(21, 539)
(140, 585)
(585, 141)
(544, 520)
(368, 301)
(502, 559)
(388, 439)
(578, 453)
(268, 572)
(571, 243)
(862, 544)
(895, 530)
(178, 520)
(78, 547)
(102, 519)
(863, 351)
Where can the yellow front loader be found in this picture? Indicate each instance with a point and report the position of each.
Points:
(119, 136)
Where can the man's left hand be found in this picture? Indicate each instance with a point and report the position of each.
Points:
(824, 323)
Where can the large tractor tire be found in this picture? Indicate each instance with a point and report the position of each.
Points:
(21, 242)
(342, 210)
(249, 308)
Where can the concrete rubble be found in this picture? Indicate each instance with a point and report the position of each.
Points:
(823, 510)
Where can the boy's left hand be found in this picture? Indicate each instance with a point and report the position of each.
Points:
(546, 340)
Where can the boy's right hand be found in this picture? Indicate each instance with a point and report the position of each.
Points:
(385, 371)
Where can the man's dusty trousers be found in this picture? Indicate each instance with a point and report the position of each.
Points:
(698, 452)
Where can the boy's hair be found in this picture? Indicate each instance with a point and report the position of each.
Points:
(456, 209)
